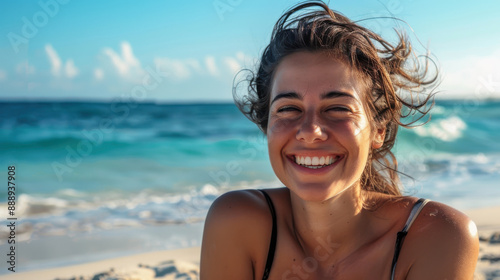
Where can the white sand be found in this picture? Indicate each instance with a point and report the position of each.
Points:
(488, 223)
(184, 263)
(172, 264)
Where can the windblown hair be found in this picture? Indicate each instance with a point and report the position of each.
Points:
(392, 74)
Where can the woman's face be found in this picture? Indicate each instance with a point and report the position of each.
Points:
(318, 133)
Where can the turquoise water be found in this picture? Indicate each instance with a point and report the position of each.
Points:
(100, 166)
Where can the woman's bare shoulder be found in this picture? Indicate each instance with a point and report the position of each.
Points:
(237, 230)
(443, 243)
(443, 223)
(239, 207)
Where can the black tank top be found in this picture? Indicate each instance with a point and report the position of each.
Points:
(400, 237)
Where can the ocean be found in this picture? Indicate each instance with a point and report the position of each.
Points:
(107, 170)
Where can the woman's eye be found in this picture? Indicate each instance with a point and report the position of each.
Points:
(288, 109)
(339, 109)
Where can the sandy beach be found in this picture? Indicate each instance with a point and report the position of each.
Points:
(184, 263)
(488, 224)
(172, 264)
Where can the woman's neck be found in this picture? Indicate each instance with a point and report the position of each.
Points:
(333, 228)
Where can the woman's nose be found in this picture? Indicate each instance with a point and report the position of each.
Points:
(310, 130)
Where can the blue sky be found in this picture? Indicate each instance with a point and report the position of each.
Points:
(103, 50)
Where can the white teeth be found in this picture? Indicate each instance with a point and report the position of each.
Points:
(315, 162)
(308, 161)
(314, 167)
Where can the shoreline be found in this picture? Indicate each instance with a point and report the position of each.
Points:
(184, 263)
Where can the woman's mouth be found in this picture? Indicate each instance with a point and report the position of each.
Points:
(316, 162)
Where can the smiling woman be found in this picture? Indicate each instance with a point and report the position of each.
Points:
(328, 94)
(318, 115)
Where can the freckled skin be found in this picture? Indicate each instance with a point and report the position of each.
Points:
(323, 230)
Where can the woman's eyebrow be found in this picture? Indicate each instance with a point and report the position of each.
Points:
(335, 94)
(328, 95)
(291, 95)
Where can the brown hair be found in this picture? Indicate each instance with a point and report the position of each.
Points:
(389, 71)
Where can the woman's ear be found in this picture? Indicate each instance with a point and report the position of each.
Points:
(378, 139)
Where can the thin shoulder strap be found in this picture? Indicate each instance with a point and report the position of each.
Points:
(274, 234)
(419, 205)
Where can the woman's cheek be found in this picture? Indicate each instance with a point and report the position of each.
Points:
(277, 125)
(347, 126)
(356, 125)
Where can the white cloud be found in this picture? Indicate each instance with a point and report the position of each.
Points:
(176, 68)
(126, 64)
(241, 56)
(194, 64)
(232, 64)
(54, 59)
(25, 68)
(211, 66)
(472, 76)
(239, 62)
(182, 69)
(245, 59)
(3, 75)
(70, 70)
(98, 74)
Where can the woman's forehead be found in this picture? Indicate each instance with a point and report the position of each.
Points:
(314, 72)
